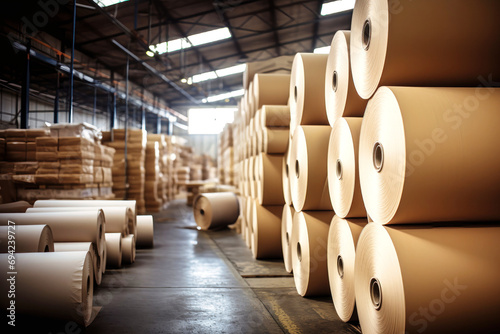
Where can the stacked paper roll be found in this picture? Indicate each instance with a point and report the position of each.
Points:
(433, 280)
(95, 259)
(286, 235)
(275, 116)
(309, 252)
(341, 97)
(275, 140)
(384, 41)
(26, 239)
(342, 240)
(266, 230)
(285, 173)
(308, 181)
(128, 249)
(53, 285)
(343, 175)
(437, 162)
(270, 88)
(145, 231)
(212, 210)
(250, 203)
(19, 206)
(270, 187)
(114, 252)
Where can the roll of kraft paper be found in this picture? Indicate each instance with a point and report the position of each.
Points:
(19, 206)
(309, 247)
(428, 280)
(308, 179)
(145, 232)
(128, 249)
(285, 173)
(270, 88)
(270, 190)
(104, 260)
(83, 247)
(307, 90)
(387, 50)
(114, 253)
(275, 116)
(66, 226)
(26, 239)
(286, 235)
(212, 210)
(341, 97)
(249, 216)
(430, 154)
(266, 225)
(342, 240)
(50, 285)
(343, 168)
(275, 140)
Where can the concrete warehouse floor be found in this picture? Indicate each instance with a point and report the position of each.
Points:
(203, 282)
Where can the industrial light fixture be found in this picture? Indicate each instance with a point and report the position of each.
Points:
(337, 6)
(220, 97)
(106, 3)
(322, 50)
(223, 72)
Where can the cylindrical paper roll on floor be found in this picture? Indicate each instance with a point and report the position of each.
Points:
(26, 239)
(266, 226)
(286, 235)
(307, 90)
(428, 280)
(342, 240)
(104, 260)
(249, 214)
(285, 174)
(309, 248)
(50, 285)
(270, 190)
(213, 210)
(128, 249)
(275, 116)
(73, 226)
(114, 250)
(145, 231)
(384, 42)
(19, 206)
(85, 247)
(72, 203)
(341, 97)
(275, 140)
(308, 179)
(343, 174)
(431, 154)
(270, 88)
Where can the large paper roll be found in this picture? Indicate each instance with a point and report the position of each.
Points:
(266, 229)
(308, 180)
(285, 174)
(341, 97)
(428, 280)
(145, 231)
(270, 88)
(430, 154)
(275, 140)
(213, 210)
(286, 235)
(270, 190)
(386, 49)
(19, 206)
(114, 251)
(26, 239)
(104, 260)
(275, 116)
(85, 203)
(342, 240)
(343, 168)
(128, 249)
(309, 248)
(50, 285)
(250, 203)
(307, 90)
(96, 260)
(73, 226)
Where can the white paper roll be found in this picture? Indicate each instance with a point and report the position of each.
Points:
(286, 235)
(26, 239)
(113, 250)
(128, 249)
(213, 210)
(145, 231)
(85, 247)
(266, 232)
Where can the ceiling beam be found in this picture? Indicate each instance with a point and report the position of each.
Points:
(272, 10)
(316, 25)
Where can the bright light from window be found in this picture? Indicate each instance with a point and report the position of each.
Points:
(209, 120)
(193, 40)
(204, 77)
(323, 50)
(223, 72)
(214, 98)
(106, 3)
(338, 6)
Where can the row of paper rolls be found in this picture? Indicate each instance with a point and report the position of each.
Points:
(365, 163)
(60, 251)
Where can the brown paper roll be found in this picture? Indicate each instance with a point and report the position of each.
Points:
(270, 189)
(128, 249)
(286, 235)
(275, 116)
(213, 210)
(85, 247)
(275, 140)
(74, 226)
(386, 49)
(266, 228)
(343, 174)
(428, 280)
(285, 174)
(243, 202)
(250, 202)
(426, 155)
(104, 260)
(309, 247)
(270, 88)
(307, 90)
(114, 251)
(50, 285)
(308, 181)
(26, 239)
(342, 240)
(19, 206)
(341, 97)
(145, 232)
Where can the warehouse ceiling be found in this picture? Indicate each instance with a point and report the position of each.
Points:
(258, 30)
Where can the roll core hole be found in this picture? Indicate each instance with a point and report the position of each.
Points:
(88, 286)
(297, 171)
(202, 212)
(338, 169)
(299, 251)
(295, 93)
(340, 266)
(367, 34)
(378, 156)
(286, 170)
(47, 249)
(334, 81)
(376, 293)
(287, 237)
